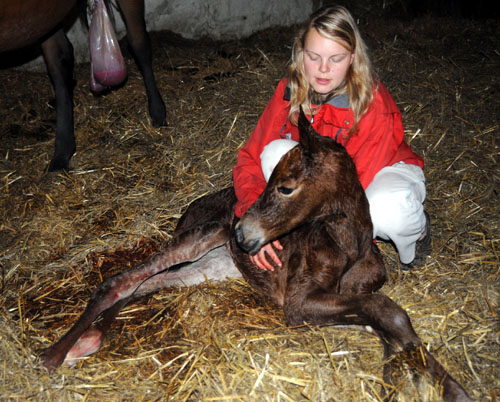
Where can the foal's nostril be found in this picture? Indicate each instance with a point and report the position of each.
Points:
(240, 237)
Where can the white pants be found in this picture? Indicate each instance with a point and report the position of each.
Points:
(396, 195)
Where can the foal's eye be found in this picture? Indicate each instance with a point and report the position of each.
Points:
(285, 190)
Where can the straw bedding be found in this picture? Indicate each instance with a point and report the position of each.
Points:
(61, 234)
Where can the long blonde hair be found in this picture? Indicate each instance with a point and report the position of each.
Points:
(337, 24)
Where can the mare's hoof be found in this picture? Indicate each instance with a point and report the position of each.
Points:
(158, 113)
(57, 164)
(160, 122)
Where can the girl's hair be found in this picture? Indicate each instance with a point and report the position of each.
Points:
(337, 24)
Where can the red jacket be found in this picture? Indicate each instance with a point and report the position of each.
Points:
(378, 143)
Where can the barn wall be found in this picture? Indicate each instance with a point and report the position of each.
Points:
(223, 19)
(193, 19)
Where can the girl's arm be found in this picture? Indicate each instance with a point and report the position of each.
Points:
(380, 139)
(381, 143)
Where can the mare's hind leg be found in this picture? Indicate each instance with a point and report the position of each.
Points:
(140, 44)
(376, 313)
(58, 56)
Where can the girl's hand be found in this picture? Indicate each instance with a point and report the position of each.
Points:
(260, 259)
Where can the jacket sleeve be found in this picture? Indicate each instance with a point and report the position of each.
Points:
(248, 180)
(379, 148)
(379, 138)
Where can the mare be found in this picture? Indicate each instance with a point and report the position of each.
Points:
(27, 22)
(315, 205)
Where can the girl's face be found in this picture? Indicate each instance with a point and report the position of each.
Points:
(326, 62)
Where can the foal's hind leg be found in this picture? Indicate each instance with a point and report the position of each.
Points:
(216, 265)
(114, 292)
(90, 341)
(140, 43)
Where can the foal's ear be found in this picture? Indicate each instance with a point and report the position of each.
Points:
(307, 133)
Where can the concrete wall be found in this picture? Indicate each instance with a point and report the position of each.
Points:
(223, 19)
(193, 19)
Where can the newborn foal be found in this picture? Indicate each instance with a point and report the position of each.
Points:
(316, 206)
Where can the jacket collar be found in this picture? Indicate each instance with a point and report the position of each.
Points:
(341, 101)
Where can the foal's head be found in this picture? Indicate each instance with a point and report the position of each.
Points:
(315, 179)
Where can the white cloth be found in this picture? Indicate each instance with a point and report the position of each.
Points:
(396, 194)
(272, 154)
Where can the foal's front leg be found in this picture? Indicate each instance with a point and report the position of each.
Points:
(378, 314)
(366, 275)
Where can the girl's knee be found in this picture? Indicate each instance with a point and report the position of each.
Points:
(396, 213)
(396, 195)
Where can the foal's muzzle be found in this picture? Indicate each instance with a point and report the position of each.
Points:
(246, 241)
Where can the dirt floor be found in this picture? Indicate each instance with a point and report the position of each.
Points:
(61, 234)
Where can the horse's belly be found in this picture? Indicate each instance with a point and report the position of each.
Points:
(25, 22)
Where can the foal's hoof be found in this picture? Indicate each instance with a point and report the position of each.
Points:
(51, 359)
